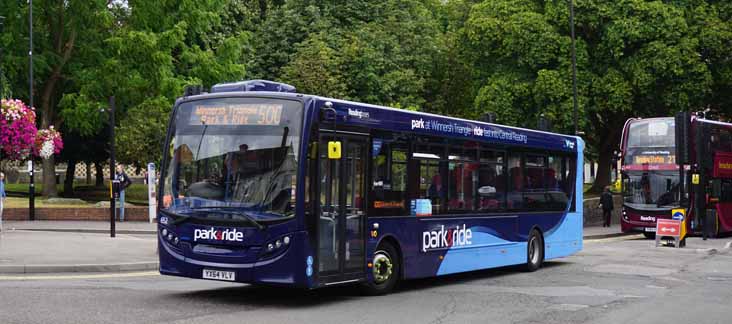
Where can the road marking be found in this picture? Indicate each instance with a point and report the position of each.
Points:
(88, 276)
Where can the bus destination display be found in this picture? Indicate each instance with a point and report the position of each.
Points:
(237, 114)
(655, 159)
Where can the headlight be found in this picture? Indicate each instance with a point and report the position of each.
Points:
(277, 246)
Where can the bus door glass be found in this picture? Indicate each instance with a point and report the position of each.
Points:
(342, 206)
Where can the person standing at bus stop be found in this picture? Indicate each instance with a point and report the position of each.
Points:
(606, 202)
(2, 198)
(124, 182)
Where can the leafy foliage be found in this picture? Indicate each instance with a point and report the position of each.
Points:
(459, 57)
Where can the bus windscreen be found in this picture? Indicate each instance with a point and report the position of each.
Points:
(236, 155)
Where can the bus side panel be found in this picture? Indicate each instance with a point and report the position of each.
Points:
(441, 246)
(492, 244)
(566, 239)
(398, 229)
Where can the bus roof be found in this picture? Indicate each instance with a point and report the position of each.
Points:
(382, 117)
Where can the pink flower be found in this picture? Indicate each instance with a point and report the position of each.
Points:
(17, 129)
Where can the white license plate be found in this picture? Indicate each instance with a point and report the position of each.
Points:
(218, 275)
(651, 229)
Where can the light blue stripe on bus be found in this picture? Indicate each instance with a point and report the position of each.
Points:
(496, 252)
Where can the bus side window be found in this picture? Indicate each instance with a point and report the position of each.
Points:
(726, 195)
(388, 178)
(462, 177)
(515, 182)
(554, 179)
(431, 175)
(491, 181)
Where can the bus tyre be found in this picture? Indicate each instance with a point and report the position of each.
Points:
(534, 251)
(386, 268)
(650, 235)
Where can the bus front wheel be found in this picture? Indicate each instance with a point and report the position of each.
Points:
(385, 268)
(534, 251)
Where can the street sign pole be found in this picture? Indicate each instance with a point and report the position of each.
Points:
(2, 90)
(112, 169)
(574, 66)
(152, 201)
(31, 186)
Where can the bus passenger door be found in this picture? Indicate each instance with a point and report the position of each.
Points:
(341, 243)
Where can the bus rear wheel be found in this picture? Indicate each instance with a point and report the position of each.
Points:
(649, 235)
(534, 251)
(385, 270)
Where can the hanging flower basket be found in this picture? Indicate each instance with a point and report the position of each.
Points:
(17, 130)
(48, 143)
(19, 137)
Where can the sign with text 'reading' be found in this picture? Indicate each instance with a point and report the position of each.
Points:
(722, 165)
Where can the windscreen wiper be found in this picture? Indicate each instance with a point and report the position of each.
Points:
(248, 217)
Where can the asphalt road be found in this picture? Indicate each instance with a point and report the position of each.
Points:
(620, 280)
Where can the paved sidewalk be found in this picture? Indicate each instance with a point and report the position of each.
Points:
(77, 246)
(599, 232)
(36, 251)
(82, 226)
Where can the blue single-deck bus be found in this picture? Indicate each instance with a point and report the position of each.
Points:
(263, 185)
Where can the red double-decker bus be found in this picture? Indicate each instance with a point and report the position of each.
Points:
(682, 162)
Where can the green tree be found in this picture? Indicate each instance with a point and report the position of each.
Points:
(634, 58)
(315, 68)
(156, 49)
(65, 35)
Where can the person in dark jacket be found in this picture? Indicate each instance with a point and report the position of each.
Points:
(124, 182)
(606, 202)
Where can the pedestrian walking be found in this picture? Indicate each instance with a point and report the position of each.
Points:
(606, 202)
(124, 182)
(2, 198)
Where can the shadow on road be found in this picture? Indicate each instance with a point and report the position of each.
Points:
(258, 296)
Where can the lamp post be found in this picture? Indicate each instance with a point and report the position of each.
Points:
(32, 187)
(112, 180)
(2, 90)
(574, 64)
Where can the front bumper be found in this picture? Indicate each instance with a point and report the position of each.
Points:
(288, 268)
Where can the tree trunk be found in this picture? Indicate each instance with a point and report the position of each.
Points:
(262, 9)
(88, 173)
(69, 181)
(48, 111)
(49, 177)
(100, 174)
(602, 177)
